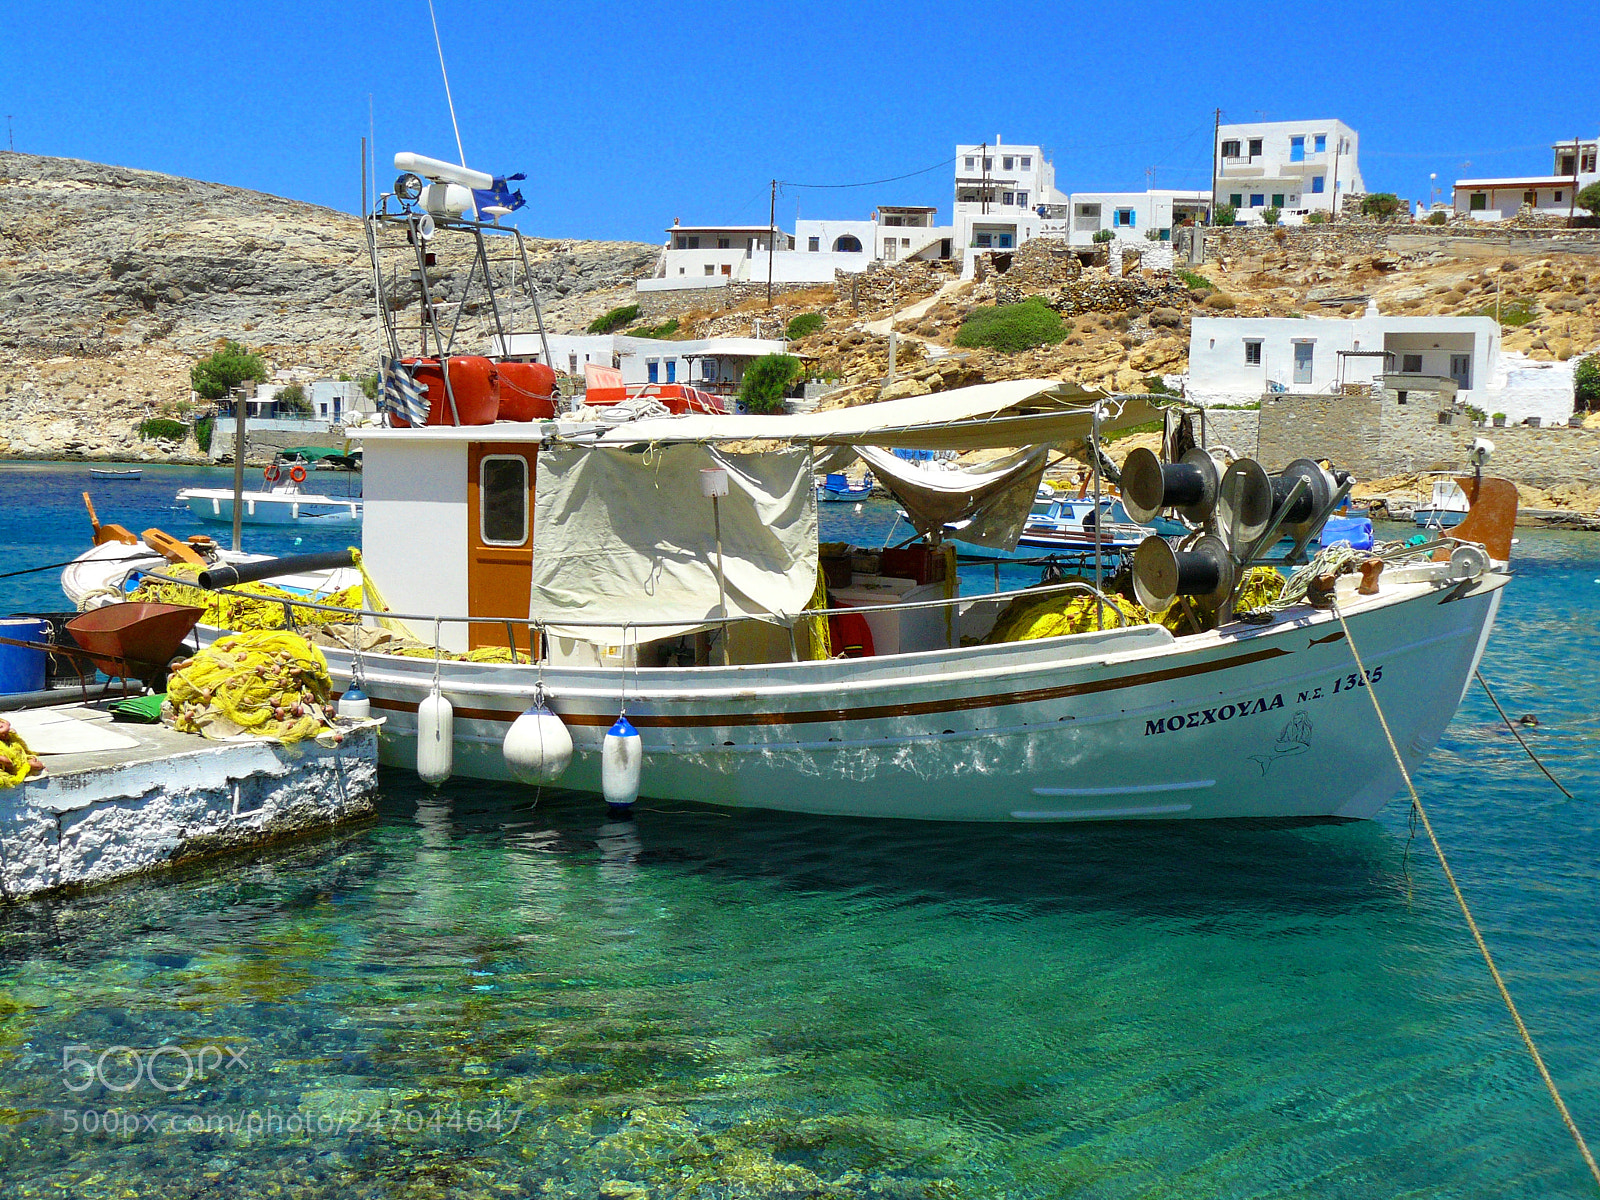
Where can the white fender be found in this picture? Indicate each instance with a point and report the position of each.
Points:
(435, 737)
(354, 705)
(537, 748)
(621, 757)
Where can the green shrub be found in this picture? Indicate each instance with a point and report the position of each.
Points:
(1158, 386)
(803, 326)
(1193, 280)
(1013, 327)
(1513, 313)
(1438, 217)
(1586, 384)
(214, 377)
(766, 381)
(615, 319)
(369, 386)
(202, 433)
(664, 330)
(1381, 205)
(1270, 215)
(1218, 300)
(1226, 214)
(163, 429)
(1589, 198)
(1105, 235)
(293, 399)
(1316, 218)
(1153, 235)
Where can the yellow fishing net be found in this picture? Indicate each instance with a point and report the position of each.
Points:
(16, 760)
(260, 608)
(1061, 613)
(263, 683)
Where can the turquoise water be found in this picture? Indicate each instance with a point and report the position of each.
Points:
(477, 995)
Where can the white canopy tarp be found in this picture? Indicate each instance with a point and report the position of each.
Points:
(990, 503)
(624, 536)
(1013, 412)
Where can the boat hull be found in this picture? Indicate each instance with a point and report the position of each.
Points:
(1270, 722)
(325, 512)
(1438, 518)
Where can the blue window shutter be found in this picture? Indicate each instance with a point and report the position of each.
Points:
(672, 370)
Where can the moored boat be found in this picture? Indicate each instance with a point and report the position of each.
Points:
(281, 501)
(1446, 508)
(125, 475)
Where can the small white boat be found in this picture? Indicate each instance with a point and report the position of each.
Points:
(1068, 523)
(836, 486)
(128, 475)
(282, 502)
(1445, 509)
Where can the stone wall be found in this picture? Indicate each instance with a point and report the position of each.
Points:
(1376, 437)
(1239, 430)
(1465, 239)
(658, 306)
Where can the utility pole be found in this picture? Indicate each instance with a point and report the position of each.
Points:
(772, 237)
(1216, 163)
(10, 141)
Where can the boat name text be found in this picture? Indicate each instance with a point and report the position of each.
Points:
(1259, 704)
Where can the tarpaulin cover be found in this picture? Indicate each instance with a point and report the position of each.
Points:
(626, 536)
(989, 505)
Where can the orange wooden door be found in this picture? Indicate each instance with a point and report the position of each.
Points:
(500, 540)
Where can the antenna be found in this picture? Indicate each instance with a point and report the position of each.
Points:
(10, 141)
(448, 98)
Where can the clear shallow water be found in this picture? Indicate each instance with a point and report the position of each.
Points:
(742, 1004)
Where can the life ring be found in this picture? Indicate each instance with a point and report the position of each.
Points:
(297, 474)
(270, 474)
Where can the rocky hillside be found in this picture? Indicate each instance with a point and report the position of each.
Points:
(113, 281)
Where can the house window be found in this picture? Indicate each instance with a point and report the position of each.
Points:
(1478, 202)
(1277, 199)
(1252, 354)
(1257, 200)
(1007, 197)
(814, 243)
(722, 243)
(652, 368)
(1230, 148)
(694, 243)
(1411, 364)
(1123, 218)
(1236, 200)
(680, 271)
(503, 500)
(681, 242)
(847, 243)
(1006, 163)
(1558, 197)
(1297, 148)
(971, 162)
(906, 242)
(1003, 241)
(727, 268)
(672, 370)
(988, 164)
(1303, 352)
(1588, 160)
(1530, 197)
(1255, 147)
(1027, 162)
(710, 269)
(1321, 143)
(1022, 199)
(983, 240)
(1317, 182)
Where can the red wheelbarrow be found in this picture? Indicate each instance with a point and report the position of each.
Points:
(135, 640)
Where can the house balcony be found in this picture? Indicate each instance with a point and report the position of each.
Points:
(1244, 168)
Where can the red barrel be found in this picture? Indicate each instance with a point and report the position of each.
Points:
(471, 382)
(524, 391)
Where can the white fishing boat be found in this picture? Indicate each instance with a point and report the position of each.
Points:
(117, 474)
(280, 501)
(665, 627)
(1446, 508)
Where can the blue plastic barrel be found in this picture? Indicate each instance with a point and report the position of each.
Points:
(21, 669)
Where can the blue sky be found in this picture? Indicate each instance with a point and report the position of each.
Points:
(627, 115)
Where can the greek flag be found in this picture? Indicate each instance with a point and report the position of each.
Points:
(402, 395)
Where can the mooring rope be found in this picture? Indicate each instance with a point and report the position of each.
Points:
(1477, 935)
(1518, 736)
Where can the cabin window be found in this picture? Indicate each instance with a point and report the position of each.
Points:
(503, 500)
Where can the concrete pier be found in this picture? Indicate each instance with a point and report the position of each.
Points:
(121, 798)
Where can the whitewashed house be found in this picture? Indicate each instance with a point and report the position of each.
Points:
(1297, 167)
(1005, 195)
(706, 256)
(1131, 215)
(1237, 360)
(712, 364)
(1574, 169)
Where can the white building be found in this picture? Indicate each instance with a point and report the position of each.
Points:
(1005, 195)
(1234, 360)
(1297, 167)
(1131, 215)
(1575, 168)
(712, 364)
(334, 399)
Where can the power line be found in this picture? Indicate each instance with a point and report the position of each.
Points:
(870, 182)
(1451, 153)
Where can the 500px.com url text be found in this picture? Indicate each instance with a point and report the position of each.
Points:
(257, 1122)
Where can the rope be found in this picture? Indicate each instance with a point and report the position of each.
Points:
(1477, 935)
(1512, 727)
(68, 563)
